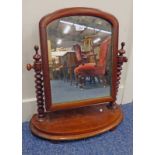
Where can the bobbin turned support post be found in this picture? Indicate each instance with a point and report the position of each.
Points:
(120, 60)
(37, 66)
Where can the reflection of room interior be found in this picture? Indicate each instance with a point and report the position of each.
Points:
(79, 54)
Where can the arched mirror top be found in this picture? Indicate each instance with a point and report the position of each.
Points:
(67, 37)
(75, 11)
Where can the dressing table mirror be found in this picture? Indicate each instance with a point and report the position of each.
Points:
(77, 74)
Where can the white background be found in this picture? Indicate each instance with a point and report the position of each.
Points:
(11, 75)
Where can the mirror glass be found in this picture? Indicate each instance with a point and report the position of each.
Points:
(80, 58)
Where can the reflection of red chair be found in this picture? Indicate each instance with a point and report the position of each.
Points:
(81, 58)
(93, 70)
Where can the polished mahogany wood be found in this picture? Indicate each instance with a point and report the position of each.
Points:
(120, 60)
(37, 66)
(77, 119)
(76, 123)
(44, 49)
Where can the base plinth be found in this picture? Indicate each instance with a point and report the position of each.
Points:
(76, 123)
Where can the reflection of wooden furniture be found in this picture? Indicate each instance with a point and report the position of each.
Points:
(49, 58)
(83, 57)
(87, 43)
(67, 61)
(71, 64)
(83, 64)
(89, 117)
(94, 70)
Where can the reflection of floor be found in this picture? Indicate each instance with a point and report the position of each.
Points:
(63, 91)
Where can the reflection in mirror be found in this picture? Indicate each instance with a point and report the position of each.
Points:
(80, 58)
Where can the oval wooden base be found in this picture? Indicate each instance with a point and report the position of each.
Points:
(76, 123)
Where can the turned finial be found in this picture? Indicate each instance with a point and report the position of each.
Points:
(122, 51)
(37, 56)
(122, 45)
(36, 48)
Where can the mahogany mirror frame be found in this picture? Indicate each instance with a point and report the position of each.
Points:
(44, 53)
(78, 122)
